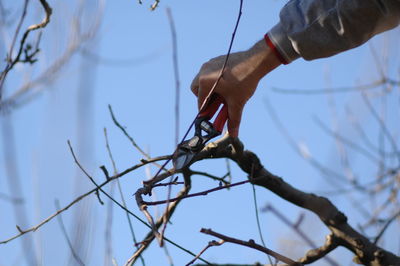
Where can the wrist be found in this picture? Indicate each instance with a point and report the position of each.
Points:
(264, 58)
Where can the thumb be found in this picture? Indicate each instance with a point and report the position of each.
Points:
(201, 96)
(235, 111)
(195, 85)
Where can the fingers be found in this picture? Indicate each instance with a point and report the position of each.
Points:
(235, 116)
(201, 97)
(195, 85)
(201, 86)
(200, 93)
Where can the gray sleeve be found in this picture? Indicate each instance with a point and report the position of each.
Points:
(321, 28)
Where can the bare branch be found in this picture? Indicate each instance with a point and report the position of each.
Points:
(335, 220)
(365, 251)
(177, 95)
(296, 228)
(154, 5)
(29, 90)
(36, 227)
(383, 126)
(12, 62)
(346, 141)
(133, 142)
(373, 85)
(202, 193)
(213, 177)
(99, 187)
(315, 254)
(250, 244)
(334, 176)
(210, 244)
(176, 71)
(388, 222)
(64, 232)
(120, 191)
(171, 208)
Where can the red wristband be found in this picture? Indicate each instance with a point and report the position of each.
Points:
(273, 48)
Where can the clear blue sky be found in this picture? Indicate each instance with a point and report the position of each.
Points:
(135, 75)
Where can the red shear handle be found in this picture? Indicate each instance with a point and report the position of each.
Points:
(212, 107)
(221, 119)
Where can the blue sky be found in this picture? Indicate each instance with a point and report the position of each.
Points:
(140, 87)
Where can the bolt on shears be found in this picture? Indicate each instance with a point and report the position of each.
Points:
(204, 131)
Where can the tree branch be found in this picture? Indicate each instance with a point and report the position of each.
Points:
(250, 244)
(12, 62)
(315, 254)
(116, 176)
(365, 251)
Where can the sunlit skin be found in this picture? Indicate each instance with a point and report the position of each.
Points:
(239, 81)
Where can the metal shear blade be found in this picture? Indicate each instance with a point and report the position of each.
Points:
(188, 149)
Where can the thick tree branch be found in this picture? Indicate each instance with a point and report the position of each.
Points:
(365, 251)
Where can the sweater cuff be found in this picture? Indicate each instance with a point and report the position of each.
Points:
(274, 50)
(279, 42)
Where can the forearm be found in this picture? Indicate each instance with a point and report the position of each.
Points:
(262, 58)
(314, 28)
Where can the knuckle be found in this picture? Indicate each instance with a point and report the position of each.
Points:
(203, 81)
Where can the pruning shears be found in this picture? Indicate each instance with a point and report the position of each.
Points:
(204, 131)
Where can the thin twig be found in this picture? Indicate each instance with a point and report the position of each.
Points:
(381, 123)
(296, 228)
(203, 193)
(176, 71)
(208, 96)
(258, 221)
(250, 244)
(213, 177)
(12, 62)
(99, 187)
(110, 205)
(120, 192)
(177, 96)
(172, 207)
(36, 227)
(210, 244)
(13, 178)
(228, 169)
(334, 177)
(154, 5)
(215, 83)
(17, 30)
(65, 234)
(372, 85)
(364, 136)
(133, 142)
(388, 222)
(346, 141)
(27, 92)
(121, 62)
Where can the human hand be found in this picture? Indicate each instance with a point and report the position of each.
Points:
(238, 82)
